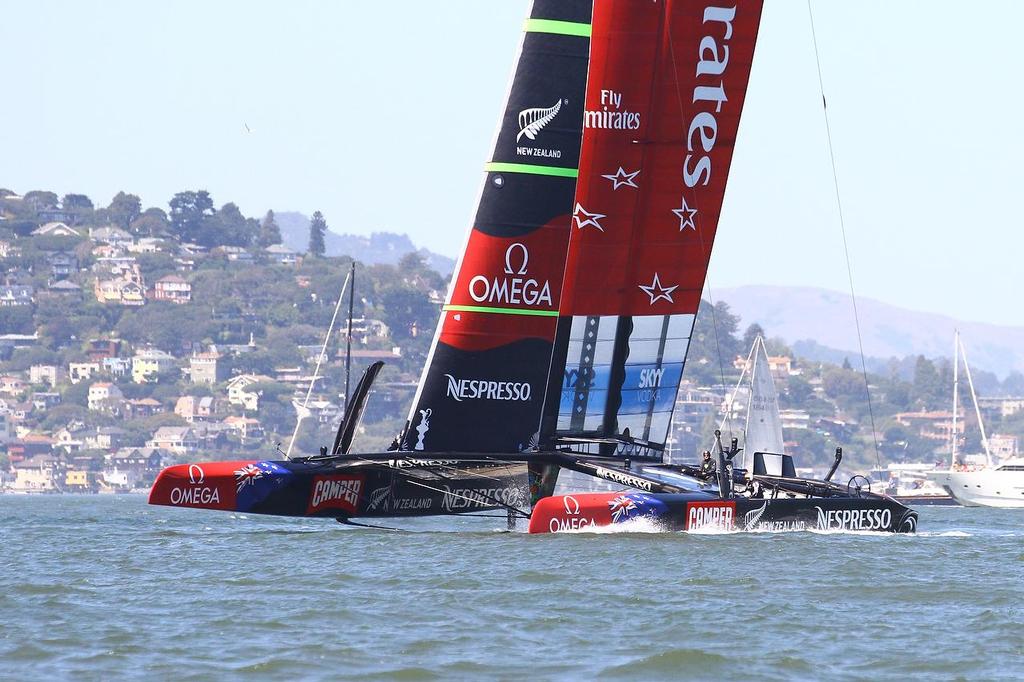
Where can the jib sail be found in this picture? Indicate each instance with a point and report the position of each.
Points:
(483, 386)
(664, 94)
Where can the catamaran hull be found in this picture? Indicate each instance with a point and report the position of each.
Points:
(393, 488)
(701, 512)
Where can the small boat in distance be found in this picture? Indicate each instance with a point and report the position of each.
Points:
(562, 342)
(991, 485)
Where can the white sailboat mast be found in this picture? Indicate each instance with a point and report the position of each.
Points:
(956, 402)
(974, 397)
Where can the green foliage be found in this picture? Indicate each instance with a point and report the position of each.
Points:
(16, 320)
(152, 223)
(269, 233)
(124, 209)
(189, 210)
(317, 229)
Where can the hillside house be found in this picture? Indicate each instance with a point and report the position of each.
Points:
(63, 287)
(172, 288)
(99, 349)
(128, 290)
(62, 264)
(281, 254)
(1003, 445)
(36, 474)
(144, 407)
(206, 368)
(238, 393)
(29, 446)
(50, 375)
(195, 408)
(148, 363)
(1000, 407)
(105, 397)
(180, 440)
(937, 425)
(82, 371)
(56, 229)
(147, 245)
(12, 386)
(130, 468)
(9, 250)
(112, 235)
(105, 252)
(105, 438)
(234, 254)
(44, 400)
(117, 367)
(15, 294)
(244, 428)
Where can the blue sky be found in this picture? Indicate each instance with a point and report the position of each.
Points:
(381, 115)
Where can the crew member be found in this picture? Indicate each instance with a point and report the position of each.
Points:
(707, 466)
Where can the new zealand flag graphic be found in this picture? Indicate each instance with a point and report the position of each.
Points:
(255, 481)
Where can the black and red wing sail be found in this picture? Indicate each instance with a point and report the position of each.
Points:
(665, 90)
(483, 386)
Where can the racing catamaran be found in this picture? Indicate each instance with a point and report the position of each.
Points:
(564, 335)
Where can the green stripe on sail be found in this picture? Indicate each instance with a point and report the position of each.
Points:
(565, 28)
(554, 171)
(501, 311)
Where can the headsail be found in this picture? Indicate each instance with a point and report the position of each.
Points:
(665, 90)
(483, 386)
(764, 425)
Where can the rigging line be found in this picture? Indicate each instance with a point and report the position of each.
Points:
(700, 235)
(316, 373)
(842, 228)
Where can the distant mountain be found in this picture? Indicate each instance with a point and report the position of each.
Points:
(820, 325)
(379, 248)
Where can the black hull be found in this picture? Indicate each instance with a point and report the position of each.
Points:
(349, 488)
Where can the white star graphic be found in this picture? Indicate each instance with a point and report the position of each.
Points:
(622, 179)
(591, 218)
(685, 215)
(657, 291)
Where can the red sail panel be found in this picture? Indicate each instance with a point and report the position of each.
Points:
(664, 96)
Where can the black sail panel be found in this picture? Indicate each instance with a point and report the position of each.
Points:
(483, 386)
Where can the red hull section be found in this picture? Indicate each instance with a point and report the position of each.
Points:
(210, 485)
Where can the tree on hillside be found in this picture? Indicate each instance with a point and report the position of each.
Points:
(227, 227)
(317, 229)
(40, 199)
(76, 202)
(188, 210)
(714, 344)
(269, 233)
(124, 209)
(152, 223)
(929, 389)
(753, 331)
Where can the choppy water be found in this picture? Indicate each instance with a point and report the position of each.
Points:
(108, 588)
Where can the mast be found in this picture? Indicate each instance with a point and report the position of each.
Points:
(348, 339)
(956, 401)
(974, 398)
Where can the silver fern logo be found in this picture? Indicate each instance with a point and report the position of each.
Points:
(752, 517)
(532, 121)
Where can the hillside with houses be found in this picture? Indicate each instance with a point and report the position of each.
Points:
(131, 338)
(134, 338)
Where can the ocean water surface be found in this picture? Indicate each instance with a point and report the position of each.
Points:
(107, 587)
